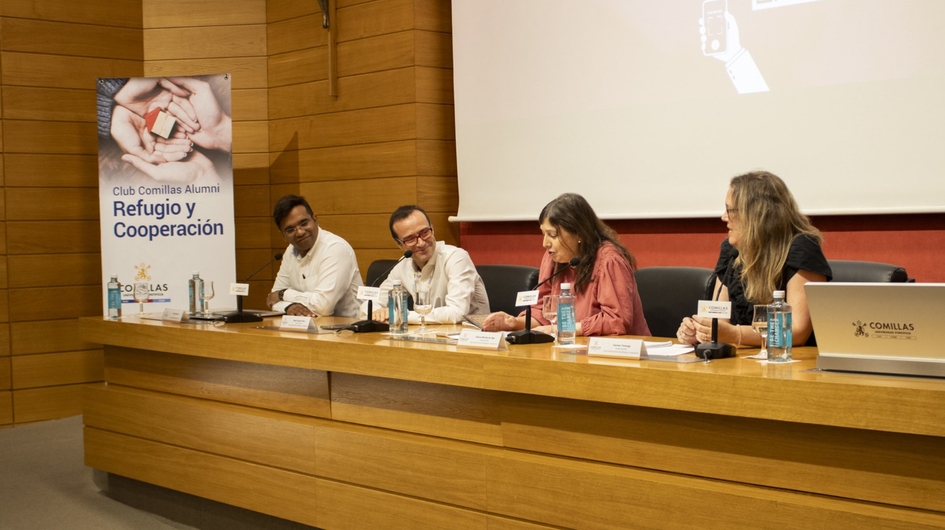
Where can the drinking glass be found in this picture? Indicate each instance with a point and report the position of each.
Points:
(423, 305)
(760, 322)
(142, 293)
(549, 309)
(206, 296)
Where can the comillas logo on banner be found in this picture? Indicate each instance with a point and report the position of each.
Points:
(166, 185)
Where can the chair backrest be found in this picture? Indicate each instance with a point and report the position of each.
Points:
(867, 271)
(503, 282)
(377, 271)
(670, 293)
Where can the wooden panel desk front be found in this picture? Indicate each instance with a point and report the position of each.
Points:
(362, 432)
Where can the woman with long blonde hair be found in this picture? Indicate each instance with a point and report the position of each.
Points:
(771, 246)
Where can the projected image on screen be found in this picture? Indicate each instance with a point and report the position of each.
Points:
(649, 108)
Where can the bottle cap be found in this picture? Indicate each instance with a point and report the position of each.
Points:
(565, 286)
(779, 294)
(397, 282)
(196, 274)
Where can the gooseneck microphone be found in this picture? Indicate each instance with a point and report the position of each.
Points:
(239, 315)
(527, 336)
(716, 349)
(369, 325)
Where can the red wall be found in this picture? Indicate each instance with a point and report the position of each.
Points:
(916, 242)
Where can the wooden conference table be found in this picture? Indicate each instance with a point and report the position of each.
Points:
(360, 431)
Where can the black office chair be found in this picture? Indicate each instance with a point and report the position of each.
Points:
(377, 271)
(671, 293)
(867, 271)
(503, 282)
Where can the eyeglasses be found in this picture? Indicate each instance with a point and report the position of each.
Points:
(303, 224)
(422, 234)
(731, 211)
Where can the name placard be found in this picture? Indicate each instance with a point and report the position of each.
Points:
(482, 339)
(610, 347)
(526, 298)
(366, 293)
(173, 315)
(711, 309)
(239, 289)
(295, 323)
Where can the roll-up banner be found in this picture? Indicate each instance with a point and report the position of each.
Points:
(166, 187)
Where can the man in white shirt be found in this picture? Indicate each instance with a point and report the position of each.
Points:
(447, 271)
(319, 275)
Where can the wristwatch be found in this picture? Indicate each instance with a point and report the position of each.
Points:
(282, 295)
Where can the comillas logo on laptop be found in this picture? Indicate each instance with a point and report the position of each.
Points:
(884, 330)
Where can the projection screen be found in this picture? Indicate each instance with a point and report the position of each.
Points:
(649, 107)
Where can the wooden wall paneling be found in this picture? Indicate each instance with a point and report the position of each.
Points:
(250, 169)
(434, 85)
(205, 42)
(59, 38)
(277, 10)
(5, 340)
(124, 14)
(32, 237)
(502, 523)
(45, 303)
(347, 506)
(49, 403)
(250, 104)
(250, 136)
(4, 268)
(381, 195)
(438, 194)
(253, 232)
(64, 368)
(4, 305)
(61, 137)
(3, 237)
(33, 270)
(434, 49)
(43, 336)
(52, 203)
(448, 471)
(184, 13)
(436, 122)
(284, 389)
(255, 487)
(51, 170)
(375, 18)
(436, 157)
(251, 201)
(390, 87)
(374, 54)
(246, 72)
(437, 410)
(433, 15)
(6, 407)
(250, 260)
(886, 468)
(302, 66)
(383, 159)
(579, 494)
(274, 439)
(61, 71)
(54, 104)
(382, 124)
(368, 255)
(6, 370)
(294, 34)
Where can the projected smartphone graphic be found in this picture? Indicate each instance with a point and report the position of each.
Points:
(713, 17)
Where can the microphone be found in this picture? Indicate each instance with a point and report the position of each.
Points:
(239, 315)
(370, 325)
(715, 349)
(527, 336)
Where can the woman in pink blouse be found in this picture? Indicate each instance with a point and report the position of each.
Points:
(606, 297)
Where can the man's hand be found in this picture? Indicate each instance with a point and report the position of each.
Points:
(298, 310)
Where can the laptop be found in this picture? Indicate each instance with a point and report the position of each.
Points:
(892, 328)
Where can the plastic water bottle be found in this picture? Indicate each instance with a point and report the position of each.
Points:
(114, 297)
(779, 329)
(195, 290)
(566, 324)
(397, 309)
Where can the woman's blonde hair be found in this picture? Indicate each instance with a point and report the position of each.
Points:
(770, 220)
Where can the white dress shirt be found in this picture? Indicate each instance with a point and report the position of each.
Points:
(325, 280)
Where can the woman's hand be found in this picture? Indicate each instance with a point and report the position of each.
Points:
(686, 334)
(694, 330)
(500, 321)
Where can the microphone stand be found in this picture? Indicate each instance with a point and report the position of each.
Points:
(369, 325)
(714, 349)
(239, 316)
(527, 335)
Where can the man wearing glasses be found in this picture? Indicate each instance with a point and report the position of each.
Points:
(319, 275)
(445, 270)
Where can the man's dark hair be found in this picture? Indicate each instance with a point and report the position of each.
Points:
(402, 213)
(285, 205)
